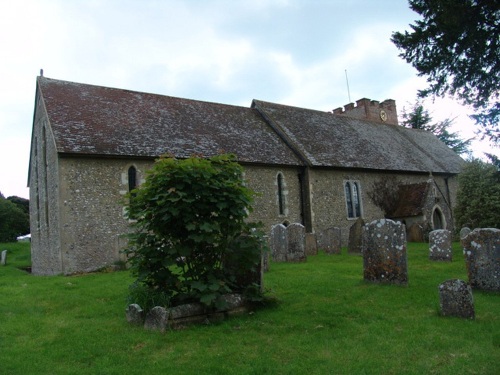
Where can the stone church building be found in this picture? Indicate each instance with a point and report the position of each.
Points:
(91, 145)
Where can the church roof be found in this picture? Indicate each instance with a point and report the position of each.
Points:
(94, 120)
(328, 140)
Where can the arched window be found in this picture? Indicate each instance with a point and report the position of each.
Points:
(352, 199)
(132, 178)
(281, 194)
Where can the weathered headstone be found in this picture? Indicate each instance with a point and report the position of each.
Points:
(135, 314)
(464, 232)
(455, 299)
(482, 258)
(278, 242)
(415, 233)
(355, 245)
(3, 259)
(311, 244)
(296, 243)
(156, 319)
(330, 240)
(384, 252)
(440, 245)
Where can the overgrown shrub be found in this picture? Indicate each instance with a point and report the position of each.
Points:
(191, 241)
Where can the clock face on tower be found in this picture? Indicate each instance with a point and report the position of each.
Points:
(383, 115)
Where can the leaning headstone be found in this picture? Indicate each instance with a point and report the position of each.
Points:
(482, 258)
(3, 259)
(156, 319)
(440, 245)
(455, 299)
(134, 314)
(330, 240)
(355, 245)
(384, 252)
(296, 243)
(311, 244)
(278, 242)
(415, 233)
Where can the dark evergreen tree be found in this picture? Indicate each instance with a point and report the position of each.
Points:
(457, 47)
(14, 221)
(419, 118)
(478, 196)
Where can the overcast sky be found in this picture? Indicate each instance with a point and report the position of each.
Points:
(292, 52)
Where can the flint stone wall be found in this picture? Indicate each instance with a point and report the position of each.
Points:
(482, 258)
(455, 299)
(440, 245)
(384, 252)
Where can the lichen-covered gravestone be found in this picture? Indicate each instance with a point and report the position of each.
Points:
(3, 259)
(278, 242)
(156, 319)
(440, 245)
(135, 314)
(355, 245)
(455, 299)
(296, 249)
(311, 244)
(482, 258)
(330, 240)
(384, 252)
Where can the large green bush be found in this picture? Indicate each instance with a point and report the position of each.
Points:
(191, 241)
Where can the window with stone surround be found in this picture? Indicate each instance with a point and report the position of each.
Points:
(132, 178)
(352, 199)
(280, 182)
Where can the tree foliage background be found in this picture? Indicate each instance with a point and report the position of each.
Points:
(191, 241)
(456, 45)
(419, 118)
(14, 218)
(478, 196)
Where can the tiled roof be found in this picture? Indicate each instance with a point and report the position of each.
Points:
(94, 120)
(329, 140)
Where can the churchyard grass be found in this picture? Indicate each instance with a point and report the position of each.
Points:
(327, 321)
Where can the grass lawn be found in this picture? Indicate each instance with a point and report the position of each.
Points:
(328, 321)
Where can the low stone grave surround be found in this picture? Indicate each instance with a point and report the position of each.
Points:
(162, 319)
(455, 299)
(482, 258)
(440, 245)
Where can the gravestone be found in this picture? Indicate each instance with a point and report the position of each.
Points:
(296, 243)
(330, 240)
(440, 245)
(455, 299)
(311, 244)
(415, 233)
(482, 258)
(384, 252)
(464, 232)
(134, 314)
(156, 319)
(278, 242)
(355, 245)
(3, 259)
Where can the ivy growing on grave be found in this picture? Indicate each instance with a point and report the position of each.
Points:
(191, 241)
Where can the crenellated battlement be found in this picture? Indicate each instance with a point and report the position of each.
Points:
(384, 112)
